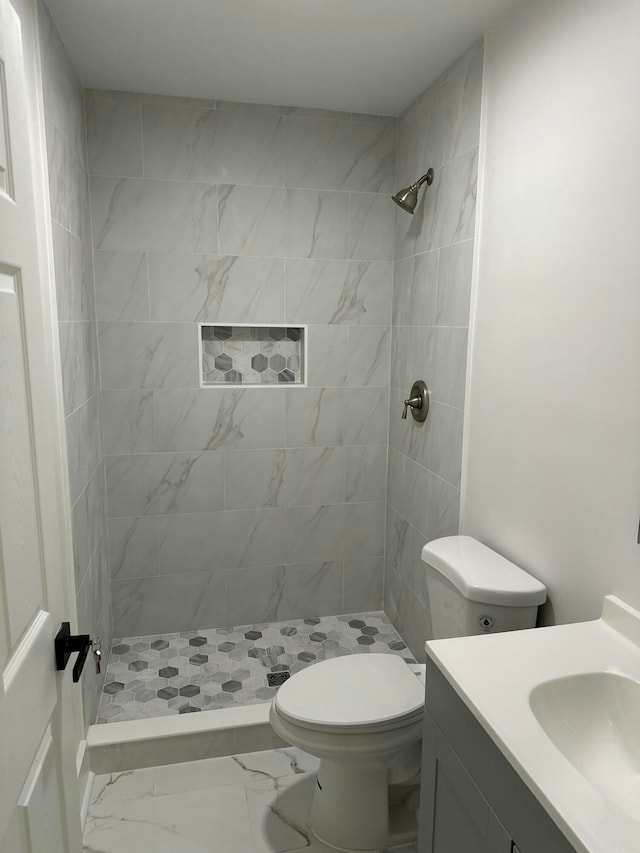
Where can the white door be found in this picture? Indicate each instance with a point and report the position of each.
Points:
(39, 808)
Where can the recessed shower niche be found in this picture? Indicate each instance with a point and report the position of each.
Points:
(250, 355)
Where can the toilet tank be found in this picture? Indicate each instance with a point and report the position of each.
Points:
(474, 590)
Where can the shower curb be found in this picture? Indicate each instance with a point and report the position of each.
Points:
(134, 744)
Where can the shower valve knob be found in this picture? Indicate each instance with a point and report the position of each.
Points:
(414, 402)
(418, 402)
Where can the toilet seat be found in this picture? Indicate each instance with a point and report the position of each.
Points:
(370, 692)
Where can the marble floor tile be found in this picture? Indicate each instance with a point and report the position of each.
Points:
(177, 823)
(206, 670)
(279, 813)
(252, 803)
(113, 788)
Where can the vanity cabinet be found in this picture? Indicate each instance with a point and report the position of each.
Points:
(472, 800)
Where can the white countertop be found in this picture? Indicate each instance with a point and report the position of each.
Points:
(494, 674)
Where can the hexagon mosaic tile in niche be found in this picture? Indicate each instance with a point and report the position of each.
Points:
(210, 669)
(252, 355)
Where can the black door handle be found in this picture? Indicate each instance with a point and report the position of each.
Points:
(66, 644)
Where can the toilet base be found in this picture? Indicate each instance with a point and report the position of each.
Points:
(356, 810)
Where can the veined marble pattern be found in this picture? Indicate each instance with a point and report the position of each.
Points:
(251, 803)
(328, 350)
(440, 349)
(261, 478)
(129, 214)
(415, 284)
(369, 356)
(446, 443)
(339, 155)
(449, 365)
(329, 416)
(211, 145)
(210, 288)
(454, 284)
(128, 421)
(404, 549)
(444, 121)
(371, 227)
(451, 215)
(409, 612)
(84, 443)
(182, 596)
(420, 137)
(278, 222)
(122, 291)
(366, 476)
(61, 88)
(148, 355)
(133, 547)
(461, 94)
(355, 356)
(229, 419)
(269, 537)
(333, 291)
(67, 173)
(150, 605)
(88, 522)
(283, 592)
(353, 528)
(217, 668)
(114, 135)
(233, 539)
(79, 357)
(159, 483)
(429, 503)
(73, 269)
(411, 353)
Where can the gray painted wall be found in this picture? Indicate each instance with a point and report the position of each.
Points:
(73, 267)
(232, 506)
(431, 292)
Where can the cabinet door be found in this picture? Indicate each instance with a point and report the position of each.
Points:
(454, 816)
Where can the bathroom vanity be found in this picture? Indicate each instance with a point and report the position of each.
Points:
(531, 740)
(472, 800)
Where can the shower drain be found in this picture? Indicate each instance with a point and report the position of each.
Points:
(275, 679)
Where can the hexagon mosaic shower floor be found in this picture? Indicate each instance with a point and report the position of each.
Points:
(219, 667)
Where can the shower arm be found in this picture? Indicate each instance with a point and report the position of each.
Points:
(428, 177)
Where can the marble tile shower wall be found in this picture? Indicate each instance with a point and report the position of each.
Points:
(73, 268)
(432, 285)
(236, 506)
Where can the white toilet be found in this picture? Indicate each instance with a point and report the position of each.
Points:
(361, 715)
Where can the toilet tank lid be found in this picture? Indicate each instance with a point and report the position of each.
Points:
(482, 574)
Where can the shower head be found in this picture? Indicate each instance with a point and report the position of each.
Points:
(408, 197)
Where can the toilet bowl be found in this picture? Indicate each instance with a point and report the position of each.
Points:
(361, 715)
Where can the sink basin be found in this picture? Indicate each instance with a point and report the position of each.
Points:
(593, 719)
